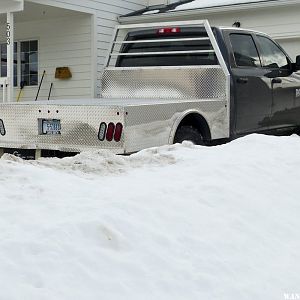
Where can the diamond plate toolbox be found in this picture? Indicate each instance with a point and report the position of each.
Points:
(182, 83)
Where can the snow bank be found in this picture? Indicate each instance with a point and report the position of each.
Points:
(177, 222)
(103, 162)
(209, 3)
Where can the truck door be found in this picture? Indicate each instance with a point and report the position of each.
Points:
(285, 111)
(252, 88)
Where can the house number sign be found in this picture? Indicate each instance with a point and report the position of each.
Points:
(8, 33)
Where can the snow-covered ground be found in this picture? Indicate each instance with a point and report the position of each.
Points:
(178, 222)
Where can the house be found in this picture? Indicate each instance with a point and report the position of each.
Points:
(279, 18)
(43, 35)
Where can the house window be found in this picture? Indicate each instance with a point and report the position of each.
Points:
(25, 62)
(4, 62)
(29, 62)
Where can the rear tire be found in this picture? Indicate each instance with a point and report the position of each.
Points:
(188, 133)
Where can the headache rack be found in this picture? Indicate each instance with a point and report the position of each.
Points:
(121, 32)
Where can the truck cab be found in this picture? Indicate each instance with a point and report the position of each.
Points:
(265, 83)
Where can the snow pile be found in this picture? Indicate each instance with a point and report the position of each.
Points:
(196, 4)
(103, 162)
(177, 222)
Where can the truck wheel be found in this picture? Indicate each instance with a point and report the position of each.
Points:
(188, 133)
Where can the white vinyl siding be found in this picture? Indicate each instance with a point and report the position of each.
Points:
(62, 42)
(106, 13)
(78, 40)
(106, 21)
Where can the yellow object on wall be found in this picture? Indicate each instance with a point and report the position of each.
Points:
(63, 73)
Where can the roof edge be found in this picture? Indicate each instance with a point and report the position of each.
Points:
(206, 10)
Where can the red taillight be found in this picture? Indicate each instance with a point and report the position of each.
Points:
(118, 132)
(110, 131)
(168, 30)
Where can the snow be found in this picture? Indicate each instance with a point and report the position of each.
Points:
(175, 222)
(209, 3)
(155, 11)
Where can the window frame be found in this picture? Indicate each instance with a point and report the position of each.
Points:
(19, 63)
(255, 45)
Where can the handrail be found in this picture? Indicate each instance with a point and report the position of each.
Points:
(162, 53)
(161, 40)
(3, 82)
(162, 24)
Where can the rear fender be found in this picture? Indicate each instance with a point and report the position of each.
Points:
(179, 118)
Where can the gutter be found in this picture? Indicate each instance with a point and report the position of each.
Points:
(171, 15)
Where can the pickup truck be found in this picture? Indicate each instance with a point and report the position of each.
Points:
(165, 83)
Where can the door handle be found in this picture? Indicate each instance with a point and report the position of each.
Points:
(242, 80)
(276, 80)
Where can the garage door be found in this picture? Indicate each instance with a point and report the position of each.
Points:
(292, 46)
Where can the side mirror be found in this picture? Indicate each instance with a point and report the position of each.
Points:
(298, 63)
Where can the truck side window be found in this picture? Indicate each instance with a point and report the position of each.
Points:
(272, 55)
(244, 49)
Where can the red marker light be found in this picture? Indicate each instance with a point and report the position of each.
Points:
(169, 30)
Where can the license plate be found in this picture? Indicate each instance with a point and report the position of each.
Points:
(51, 127)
